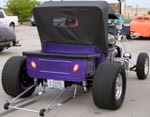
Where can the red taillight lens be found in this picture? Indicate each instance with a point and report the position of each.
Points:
(75, 67)
(33, 64)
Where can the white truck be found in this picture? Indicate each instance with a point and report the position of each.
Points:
(10, 21)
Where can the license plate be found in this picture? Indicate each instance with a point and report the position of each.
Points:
(56, 84)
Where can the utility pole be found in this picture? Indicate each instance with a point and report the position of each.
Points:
(120, 7)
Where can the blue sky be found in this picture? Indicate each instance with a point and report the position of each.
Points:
(140, 3)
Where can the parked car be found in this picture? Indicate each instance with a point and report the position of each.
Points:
(7, 37)
(140, 26)
(10, 21)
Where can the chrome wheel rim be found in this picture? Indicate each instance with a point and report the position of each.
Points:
(118, 87)
(146, 66)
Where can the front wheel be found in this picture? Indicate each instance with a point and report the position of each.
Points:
(14, 77)
(109, 85)
(142, 66)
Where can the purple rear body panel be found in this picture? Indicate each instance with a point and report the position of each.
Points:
(56, 68)
(70, 49)
(62, 68)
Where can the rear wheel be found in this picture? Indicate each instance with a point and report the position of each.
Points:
(142, 66)
(109, 85)
(12, 26)
(14, 77)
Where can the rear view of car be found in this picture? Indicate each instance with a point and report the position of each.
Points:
(140, 26)
(75, 50)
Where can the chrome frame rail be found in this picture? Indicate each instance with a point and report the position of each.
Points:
(8, 105)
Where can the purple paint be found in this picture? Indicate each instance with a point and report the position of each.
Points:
(60, 68)
(56, 68)
(72, 49)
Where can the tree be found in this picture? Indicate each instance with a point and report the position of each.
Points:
(148, 12)
(22, 8)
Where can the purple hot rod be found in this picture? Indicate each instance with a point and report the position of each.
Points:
(76, 50)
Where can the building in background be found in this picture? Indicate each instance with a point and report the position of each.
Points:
(115, 6)
(128, 12)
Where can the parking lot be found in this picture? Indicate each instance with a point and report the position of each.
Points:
(137, 99)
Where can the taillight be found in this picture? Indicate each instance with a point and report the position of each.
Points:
(75, 67)
(33, 64)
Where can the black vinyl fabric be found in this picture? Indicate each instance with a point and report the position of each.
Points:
(90, 18)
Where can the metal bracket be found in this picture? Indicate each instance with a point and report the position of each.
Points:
(50, 106)
(43, 111)
(133, 68)
(8, 104)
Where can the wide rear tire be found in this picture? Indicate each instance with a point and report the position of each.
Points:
(14, 77)
(109, 86)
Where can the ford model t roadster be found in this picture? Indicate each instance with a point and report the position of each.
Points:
(75, 50)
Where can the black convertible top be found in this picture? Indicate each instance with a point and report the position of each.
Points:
(74, 22)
